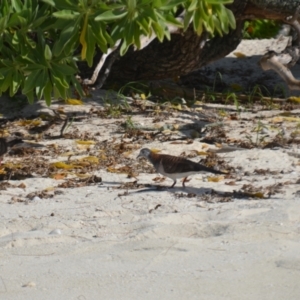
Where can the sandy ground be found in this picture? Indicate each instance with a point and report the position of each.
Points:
(237, 238)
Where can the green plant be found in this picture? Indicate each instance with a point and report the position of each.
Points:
(41, 41)
(261, 29)
(260, 135)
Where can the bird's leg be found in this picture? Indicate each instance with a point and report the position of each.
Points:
(173, 184)
(183, 181)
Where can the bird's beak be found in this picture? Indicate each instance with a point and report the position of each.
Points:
(139, 155)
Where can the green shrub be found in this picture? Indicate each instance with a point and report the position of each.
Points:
(40, 39)
(261, 29)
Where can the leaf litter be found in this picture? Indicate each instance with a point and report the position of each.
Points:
(113, 154)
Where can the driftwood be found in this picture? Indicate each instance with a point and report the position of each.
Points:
(188, 52)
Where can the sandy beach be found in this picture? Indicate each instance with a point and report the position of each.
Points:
(106, 226)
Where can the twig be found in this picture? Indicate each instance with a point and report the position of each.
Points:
(111, 55)
(64, 127)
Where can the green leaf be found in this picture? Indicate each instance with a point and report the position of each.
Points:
(48, 92)
(30, 96)
(16, 81)
(168, 5)
(50, 2)
(48, 53)
(66, 14)
(220, 2)
(111, 16)
(41, 83)
(65, 38)
(31, 80)
(57, 83)
(187, 19)
(193, 6)
(17, 5)
(90, 46)
(64, 69)
(231, 18)
(77, 86)
(145, 25)
(159, 31)
(5, 84)
(124, 48)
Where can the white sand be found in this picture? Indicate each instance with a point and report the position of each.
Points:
(97, 242)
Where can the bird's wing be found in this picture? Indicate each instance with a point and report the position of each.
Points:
(173, 164)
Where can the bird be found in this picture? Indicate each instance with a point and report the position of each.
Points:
(175, 167)
(7, 143)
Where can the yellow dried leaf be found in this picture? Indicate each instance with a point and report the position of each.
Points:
(143, 96)
(74, 102)
(204, 146)
(92, 159)
(198, 108)
(239, 54)
(58, 176)
(62, 165)
(85, 142)
(215, 178)
(177, 106)
(67, 154)
(277, 120)
(259, 195)
(285, 114)
(61, 110)
(201, 153)
(13, 165)
(294, 99)
(167, 131)
(291, 119)
(49, 189)
(198, 103)
(4, 132)
(223, 113)
(80, 175)
(33, 123)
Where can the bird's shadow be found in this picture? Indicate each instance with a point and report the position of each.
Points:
(175, 190)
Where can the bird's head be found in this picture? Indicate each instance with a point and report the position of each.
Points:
(145, 152)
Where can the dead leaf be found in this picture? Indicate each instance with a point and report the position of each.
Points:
(59, 176)
(74, 102)
(159, 179)
(201, 153)
(215, 178)
(91, 159)
(31, 123)
(294, 99)
(123, 170)
(239, 54)
(22, 186)
(63, 165)
(85, 142)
